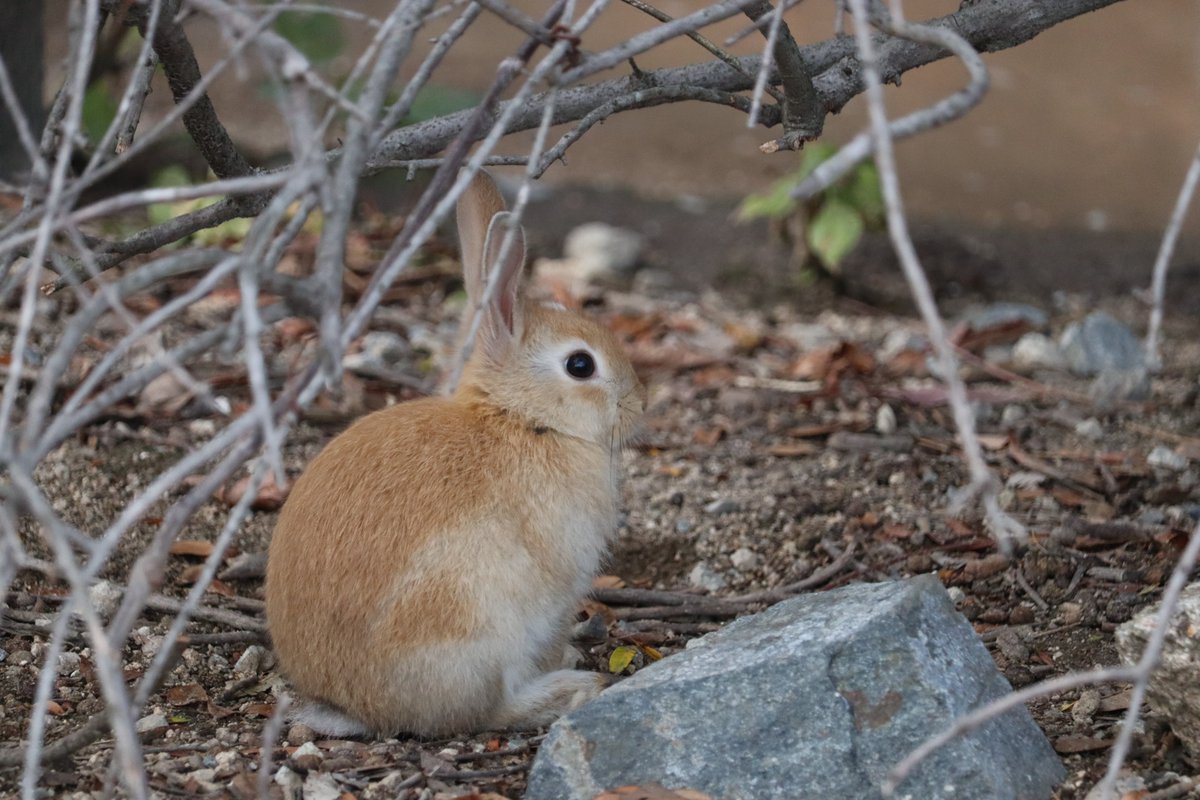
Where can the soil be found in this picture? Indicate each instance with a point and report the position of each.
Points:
(739, 485)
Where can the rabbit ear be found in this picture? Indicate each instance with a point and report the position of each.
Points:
(476, 208)
(502, 314)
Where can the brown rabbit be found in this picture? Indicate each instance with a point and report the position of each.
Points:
(425, 571)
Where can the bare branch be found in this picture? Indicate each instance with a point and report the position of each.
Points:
(1158, 288)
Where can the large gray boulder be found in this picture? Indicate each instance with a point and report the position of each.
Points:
(817, 697)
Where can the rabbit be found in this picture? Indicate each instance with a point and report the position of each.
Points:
(424, 573)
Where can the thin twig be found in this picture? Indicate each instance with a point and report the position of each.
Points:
(1158, 287)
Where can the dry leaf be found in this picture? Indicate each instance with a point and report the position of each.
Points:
(708, 436)
(608, 582)
(1073, 743)
(256, 710)
(192, 547)
(54, 709)
(793, 450)
(270, 495)
(621, 658)
(186, 694)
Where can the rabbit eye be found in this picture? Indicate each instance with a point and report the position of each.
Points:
(581, 365)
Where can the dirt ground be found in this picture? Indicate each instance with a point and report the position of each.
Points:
(747, 478)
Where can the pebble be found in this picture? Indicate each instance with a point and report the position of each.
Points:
(104, 597)
(20, 658)
(228, 765)
(885, 420)
(598, 248)
(722, 505)
(68, 663)
(1084, 709)
(703, 576)
(1021, 615)
(1099, 343)
(3, 654)
(308, 756)
(251, 660)
(300, 734)
(744, 559)
(1071, 613)
(1166, 458)
(290, 783)
(1012, 414)
(1000, 314)
(1090, 429)
(1037, 351)
(151, 726)
(380, 351)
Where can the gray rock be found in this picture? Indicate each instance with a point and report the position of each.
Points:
(1174, 691)
(380, 352)
(1037, 351)
(998, 314)
(703, 576)
(1166, 458)
(1117, 385)
(722, 505)
(1099, 344)
(744, 559)
(151, 726)
(826, 692)
(599, 248)
(1090, 429)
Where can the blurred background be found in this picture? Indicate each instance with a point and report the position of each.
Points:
(1087, 130)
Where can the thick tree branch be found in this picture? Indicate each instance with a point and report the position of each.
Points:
(183, 73)
(803, 112)
(987, 26)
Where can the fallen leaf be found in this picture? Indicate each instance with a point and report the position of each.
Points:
(650, 652)
(1117, 702)
(257, 709)
(1073, 743)
(190, 574)
(621, 658)
(708, 436)
(793, 450)
(192, 547)
(270, 495)
(54, 709)
(186, 694)
(608, 582)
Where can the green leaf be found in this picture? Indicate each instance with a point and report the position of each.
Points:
(434, 101)
(774, 203)
(866, 193)
(834, 231)
(815, 154)
(621, 658)
(316, 34)
(99, 108)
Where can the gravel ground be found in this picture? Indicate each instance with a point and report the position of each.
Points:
(774, 441)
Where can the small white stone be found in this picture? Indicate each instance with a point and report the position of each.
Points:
(104, 597)
(744, 559)
(1037, 351)
(251, 661)
(154, 723)
(703, 576)
(885, 420)
(309, 749)
(1166, 458)
(1090, 429)
(599, 248)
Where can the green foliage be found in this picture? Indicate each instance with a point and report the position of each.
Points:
(99, 109)
(835, 220)
(316, 34)
(227, 233)
(434, 101)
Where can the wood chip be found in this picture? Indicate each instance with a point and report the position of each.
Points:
(1080, 744)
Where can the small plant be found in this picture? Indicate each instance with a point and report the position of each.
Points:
(825, 229)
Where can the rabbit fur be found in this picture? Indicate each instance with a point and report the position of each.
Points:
(425, 571)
